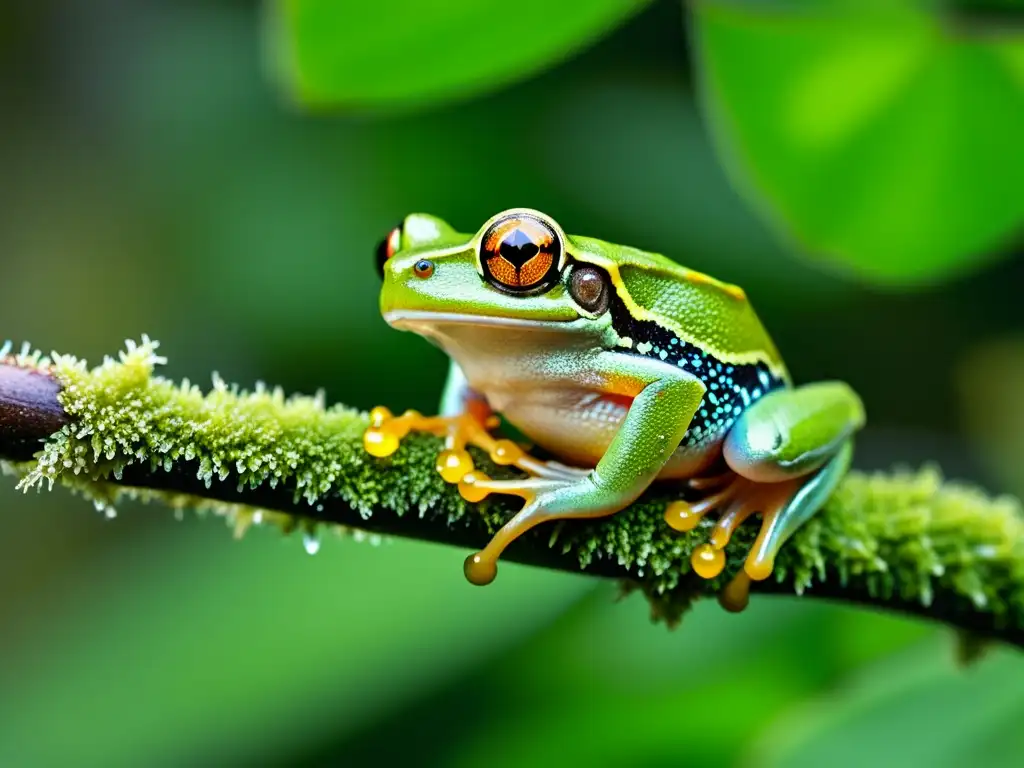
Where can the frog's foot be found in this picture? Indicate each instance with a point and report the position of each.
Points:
(481, 567)
(783, 506)
(386, 432)
(685, 515)
(737, 501)
(455, 465)
(775, 502)
(735, 504)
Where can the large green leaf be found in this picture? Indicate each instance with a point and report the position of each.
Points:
(399, 52)
(889, 142)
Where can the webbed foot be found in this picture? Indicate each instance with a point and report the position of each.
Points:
(736, 500)
(386, 432)
(455, 465)
(783, 506)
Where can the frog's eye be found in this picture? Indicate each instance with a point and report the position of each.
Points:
(387, 248)
(521, 254)
(588, 287)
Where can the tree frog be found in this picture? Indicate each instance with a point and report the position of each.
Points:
(623, 366)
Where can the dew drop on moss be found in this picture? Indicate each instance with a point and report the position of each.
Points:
(311, 542)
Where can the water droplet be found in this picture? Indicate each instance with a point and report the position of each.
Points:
(311, 542)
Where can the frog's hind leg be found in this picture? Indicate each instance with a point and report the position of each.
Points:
(784, 507)
(789, 451)
(783, 515)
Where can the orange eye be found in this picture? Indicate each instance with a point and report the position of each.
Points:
(387, 248)
(423, 268)
(520, 254)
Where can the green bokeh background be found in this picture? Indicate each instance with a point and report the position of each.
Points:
(156, 179)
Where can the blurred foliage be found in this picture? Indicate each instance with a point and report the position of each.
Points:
(403, 52)
(858, 133)
(886, 141)
(883, 708)
(991, 380)
(240, 687)
(154, 182)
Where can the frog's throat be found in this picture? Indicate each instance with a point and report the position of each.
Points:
(418, 320)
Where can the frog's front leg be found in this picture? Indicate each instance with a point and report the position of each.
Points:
(465, 420)
(459, 397)
(664, 402)
(789, 450)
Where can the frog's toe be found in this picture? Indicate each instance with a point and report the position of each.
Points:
(685, 516)
(783, 506)
(476, 486)
(545, 500)
(385, 433)
(735, 596)
(738, 501)
(788, 506)
(774, 501)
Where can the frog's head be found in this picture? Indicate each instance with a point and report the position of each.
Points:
(517, 270)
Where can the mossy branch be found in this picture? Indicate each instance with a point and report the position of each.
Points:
(906, 542)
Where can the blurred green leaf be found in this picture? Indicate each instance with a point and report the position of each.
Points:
(680, 203)
(887, 142)
(404, 52)
(990, 381)
(632, 694)
(683, 727)
(189, 647)
(915, 708)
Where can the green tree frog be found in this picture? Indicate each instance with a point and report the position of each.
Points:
(623, 366)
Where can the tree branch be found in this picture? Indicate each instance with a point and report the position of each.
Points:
(903, 542)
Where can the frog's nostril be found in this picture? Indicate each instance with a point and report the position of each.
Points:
(423, 268)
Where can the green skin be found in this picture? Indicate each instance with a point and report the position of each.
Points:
(577, 387)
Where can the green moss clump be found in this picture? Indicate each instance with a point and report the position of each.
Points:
(122, 415)
(907, 536)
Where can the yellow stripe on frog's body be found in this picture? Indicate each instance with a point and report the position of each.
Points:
(706, 312)
(710, 314)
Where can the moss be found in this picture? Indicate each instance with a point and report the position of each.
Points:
(123, 415)
(907, 536)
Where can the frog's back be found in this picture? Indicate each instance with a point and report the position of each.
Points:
(711, 315)
(696, 323)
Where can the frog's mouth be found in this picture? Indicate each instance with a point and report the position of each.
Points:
(419, 320)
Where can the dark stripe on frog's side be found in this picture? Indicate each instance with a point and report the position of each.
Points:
(730, 388)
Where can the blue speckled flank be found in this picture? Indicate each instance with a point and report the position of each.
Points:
(730, 388)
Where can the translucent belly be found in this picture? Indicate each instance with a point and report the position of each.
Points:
(577, 428)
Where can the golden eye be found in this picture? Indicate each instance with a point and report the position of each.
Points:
(387, 248)
(520, 254)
